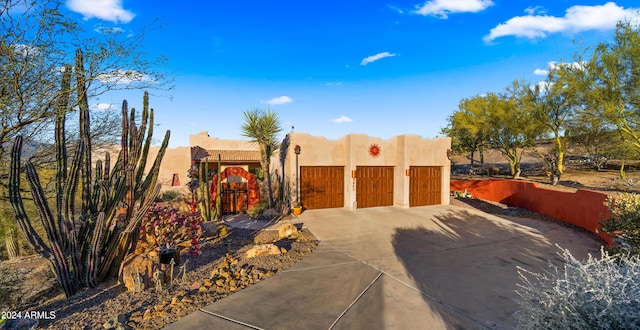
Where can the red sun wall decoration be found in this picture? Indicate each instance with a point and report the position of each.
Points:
(374, 150)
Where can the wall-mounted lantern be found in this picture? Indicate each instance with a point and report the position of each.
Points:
(449, 154)
(353, 173)
(407, 172)
(297, 150)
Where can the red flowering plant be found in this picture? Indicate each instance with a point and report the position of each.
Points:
(164, 228)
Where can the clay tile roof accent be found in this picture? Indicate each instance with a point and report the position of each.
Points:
(233, 155)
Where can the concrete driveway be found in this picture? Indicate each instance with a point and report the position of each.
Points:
(434, 267)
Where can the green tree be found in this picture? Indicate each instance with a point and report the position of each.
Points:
(593, 135)
(262, 127)
(610, 84)
(612, 80)
(509, 118)
(467, 127)
(554, 103)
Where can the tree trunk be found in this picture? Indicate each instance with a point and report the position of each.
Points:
(515, 168)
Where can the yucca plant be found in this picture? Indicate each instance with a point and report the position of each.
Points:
(88, 243)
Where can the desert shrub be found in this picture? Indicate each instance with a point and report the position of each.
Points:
(168, 196)
(165, 227)
(596, 293)
(624, 223)
(257, 209)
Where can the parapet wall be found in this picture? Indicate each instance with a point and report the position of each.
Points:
(583, 208)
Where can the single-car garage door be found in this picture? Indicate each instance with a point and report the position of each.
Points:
(374, 186)
(322, 186)
(425, 185)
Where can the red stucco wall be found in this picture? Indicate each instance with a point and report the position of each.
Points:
(583, 208)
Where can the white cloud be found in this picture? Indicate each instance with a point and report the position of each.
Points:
(535, 10)
(333, 84)
(123, 77)
(108, 10)
(442, 8)
(376, 57)
(342, 120)
(109, 30)
(553, 66)
(540, 72)
(279, 100)
(102, 106)
(576, 19)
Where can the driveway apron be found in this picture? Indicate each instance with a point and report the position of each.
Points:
(432, 267)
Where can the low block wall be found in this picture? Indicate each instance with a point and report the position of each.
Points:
(583, 208)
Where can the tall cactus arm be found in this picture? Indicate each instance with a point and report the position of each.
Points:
(123, 157)
(48, 220)
(62, 271)
(152, 178)
(53, 253)
(61, 145)
(133, 132)
(96, 196)
(85, 134)
(74, 252)
(147, 143)
(93, 257)
(71, 187)
(107, 166)
(18, 206)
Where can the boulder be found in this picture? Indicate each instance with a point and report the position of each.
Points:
(137, 265)
(209, 229)
(287, 230)
(262, 250)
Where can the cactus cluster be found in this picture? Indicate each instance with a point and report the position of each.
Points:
(207, 212)
(204, 199)
(88, 243)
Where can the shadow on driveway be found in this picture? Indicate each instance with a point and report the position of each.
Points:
(471, 264)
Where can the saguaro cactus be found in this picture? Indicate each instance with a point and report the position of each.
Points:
(11, 243)
(86, 246)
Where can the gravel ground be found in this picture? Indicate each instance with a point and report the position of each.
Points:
(219, 271)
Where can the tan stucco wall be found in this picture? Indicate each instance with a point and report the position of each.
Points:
(352, 150)
(206, 142)
(175, 160)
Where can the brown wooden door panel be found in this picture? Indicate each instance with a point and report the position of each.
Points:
(322, 186)
(374, 186)
(425, 185)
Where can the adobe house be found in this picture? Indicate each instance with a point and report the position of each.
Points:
(362, 171)
(354, 171)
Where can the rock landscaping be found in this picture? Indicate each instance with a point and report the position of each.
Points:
(226, 265)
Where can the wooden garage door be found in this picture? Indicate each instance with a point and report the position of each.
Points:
(425, 185)
(374, 186)
(322, 186)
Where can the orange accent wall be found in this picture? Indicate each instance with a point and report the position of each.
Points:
(254, 189)
(583, 208)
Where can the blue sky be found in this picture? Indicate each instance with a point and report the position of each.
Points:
(332, 68)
